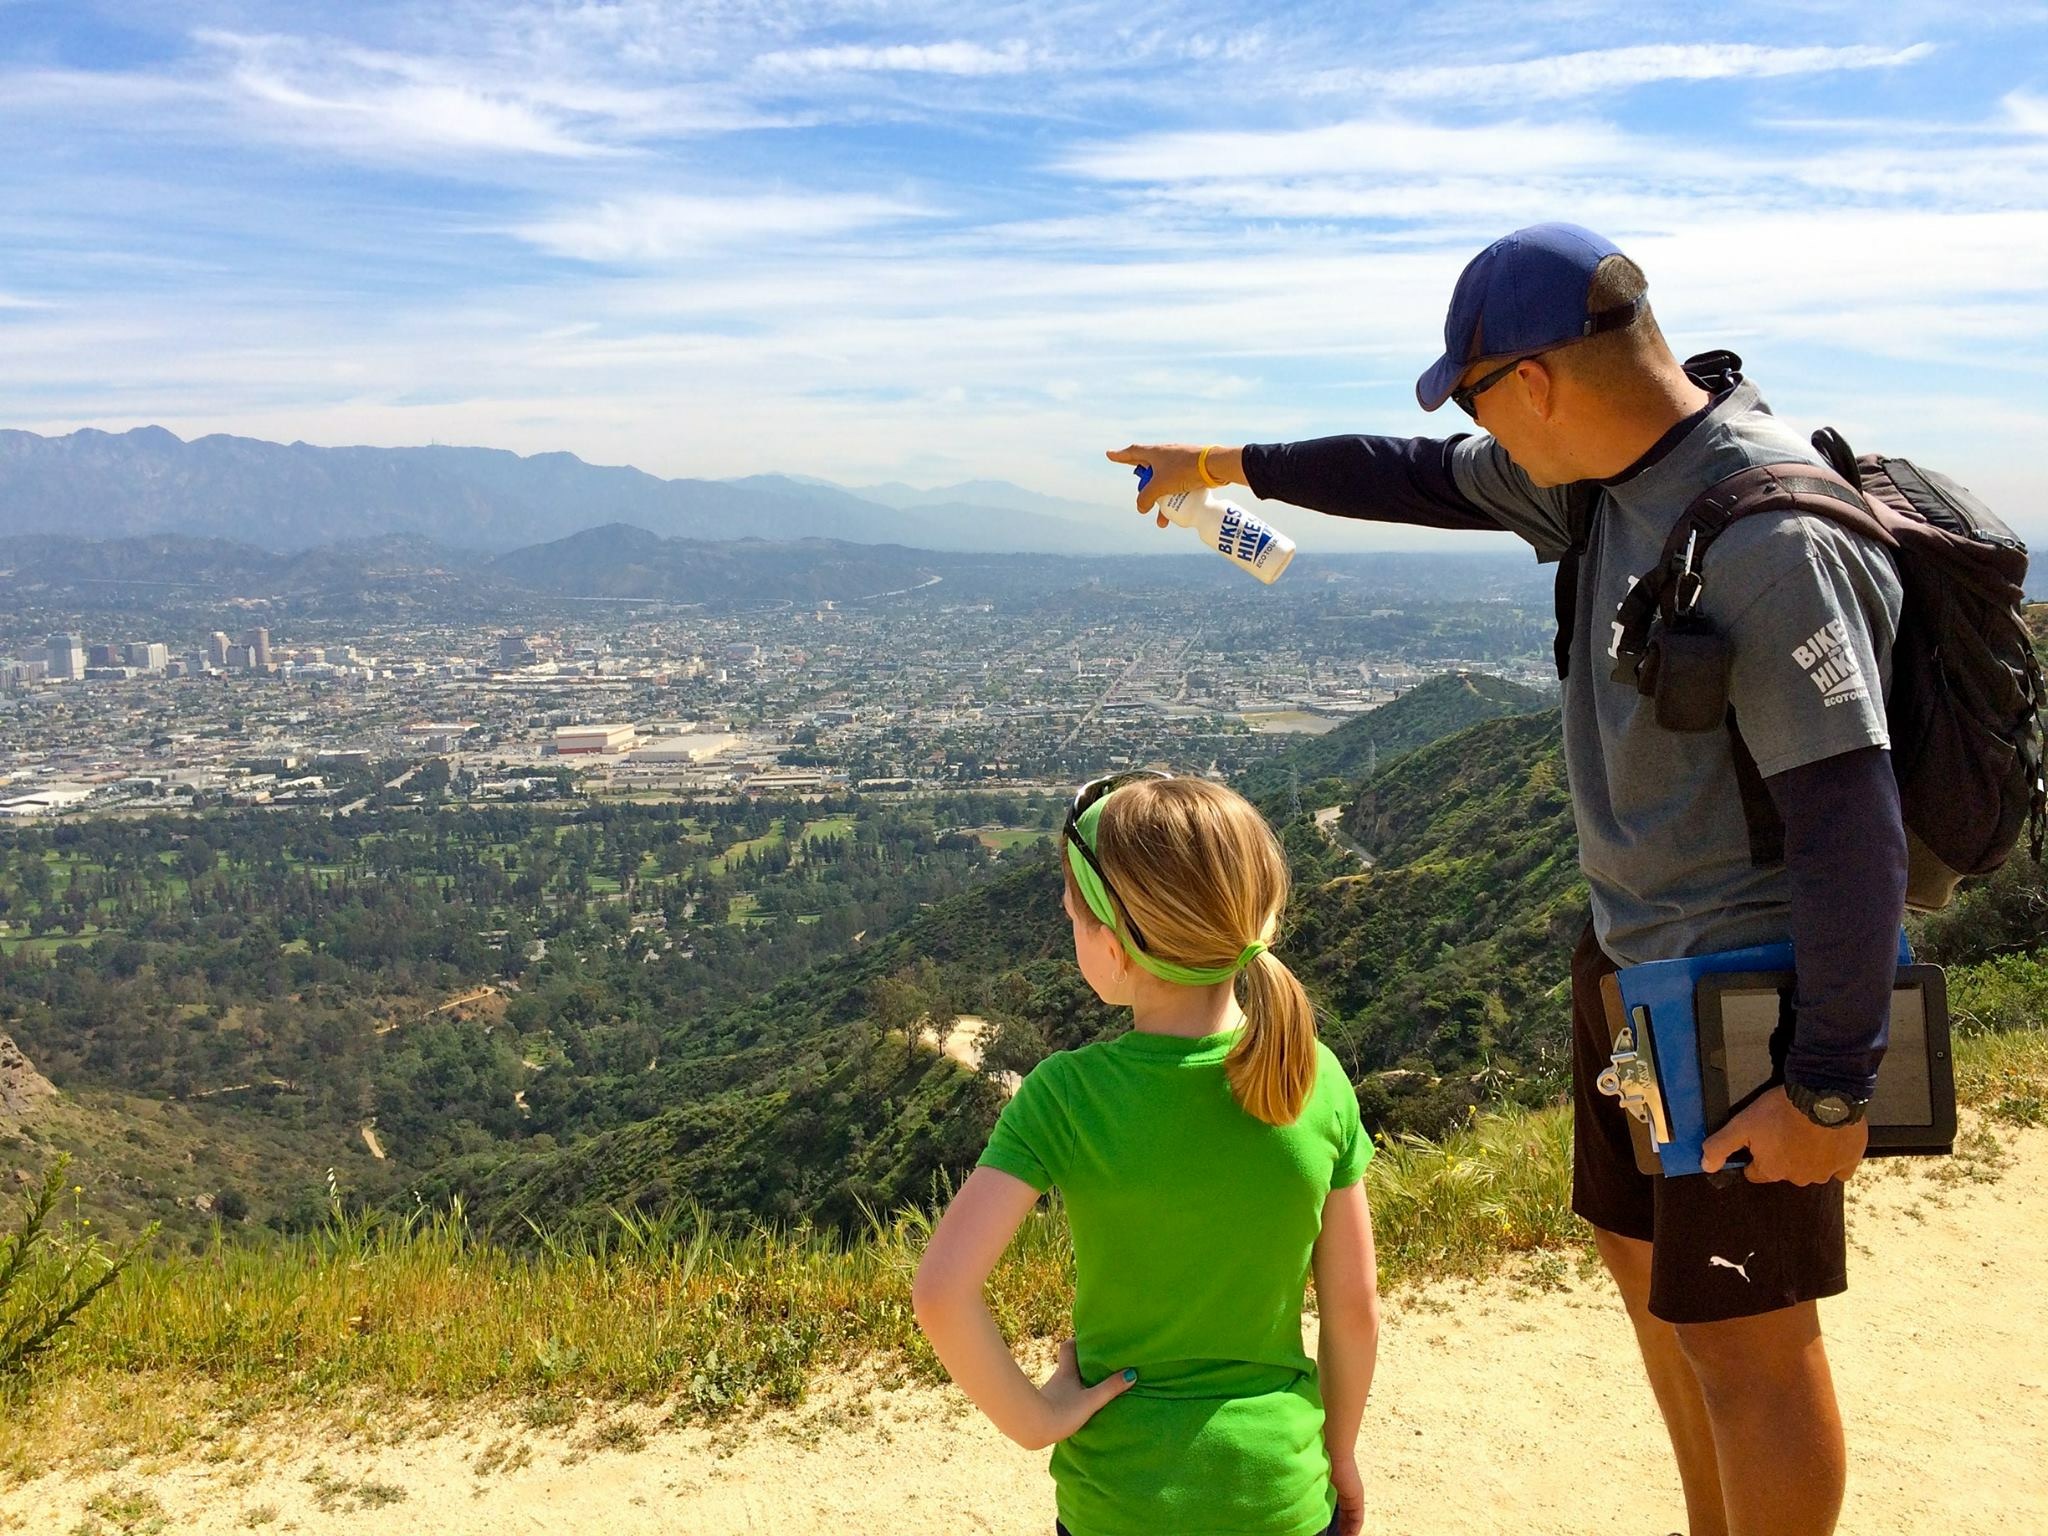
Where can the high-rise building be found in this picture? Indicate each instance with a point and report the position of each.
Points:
(149, 655)
(105, 656)
(258, 642)
(67, 657)
(515, 650)
(240, 658)
(217, 649)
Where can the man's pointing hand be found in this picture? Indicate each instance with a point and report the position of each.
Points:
(1173, 467)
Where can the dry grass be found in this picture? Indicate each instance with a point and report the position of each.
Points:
(186, 1352)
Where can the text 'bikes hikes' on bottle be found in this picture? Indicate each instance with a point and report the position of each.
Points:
(1249, 542)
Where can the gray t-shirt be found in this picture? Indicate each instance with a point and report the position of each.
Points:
(1810, 612)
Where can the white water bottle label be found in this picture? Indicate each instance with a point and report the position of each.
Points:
(1246, 541)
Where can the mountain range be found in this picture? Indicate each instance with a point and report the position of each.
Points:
(614, 561)
(289, 497)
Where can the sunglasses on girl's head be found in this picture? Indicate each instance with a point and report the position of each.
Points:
(1086, 797)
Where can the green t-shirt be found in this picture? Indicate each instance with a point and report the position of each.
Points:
(1193, 1225)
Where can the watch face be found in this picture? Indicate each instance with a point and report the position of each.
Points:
(1831, 1110)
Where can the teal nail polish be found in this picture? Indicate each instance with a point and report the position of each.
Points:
(1130, 1375)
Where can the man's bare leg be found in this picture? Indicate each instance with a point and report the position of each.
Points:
(1777, 1429)
(1672, 1380)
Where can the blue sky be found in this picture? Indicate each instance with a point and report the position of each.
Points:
(892, 239)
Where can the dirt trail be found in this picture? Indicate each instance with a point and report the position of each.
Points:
(964, 1041)
(1500, 1406)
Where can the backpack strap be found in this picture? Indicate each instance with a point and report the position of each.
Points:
(1675, 585)
(1565, 594)
(1716, 372)
(1675, 581)
(1840, 456)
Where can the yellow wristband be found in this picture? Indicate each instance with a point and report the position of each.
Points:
(1202, 467)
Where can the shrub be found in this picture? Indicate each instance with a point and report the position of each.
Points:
(49, 1273)
(2000, 996)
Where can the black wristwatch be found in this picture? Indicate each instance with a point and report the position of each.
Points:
(1831, 1108)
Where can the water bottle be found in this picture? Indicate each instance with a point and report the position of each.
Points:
(1250, 543)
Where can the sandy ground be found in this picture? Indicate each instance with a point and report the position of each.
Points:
(1507, 1405)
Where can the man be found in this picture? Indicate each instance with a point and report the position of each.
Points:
(1595, 440)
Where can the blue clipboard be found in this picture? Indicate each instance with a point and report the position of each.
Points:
(1657, 1000)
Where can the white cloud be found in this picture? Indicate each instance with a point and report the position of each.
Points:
(29, 91)
(660, 227)
(1153, 228)
(1560, 77)
(951, 58)
(2027, 112)
(1383, 145)
(352, 98)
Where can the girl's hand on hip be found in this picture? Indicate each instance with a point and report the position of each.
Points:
(1069, 1401)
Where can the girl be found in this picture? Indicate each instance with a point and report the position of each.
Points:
(1208, 1159)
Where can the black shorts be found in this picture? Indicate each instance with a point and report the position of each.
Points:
(1720, 1248)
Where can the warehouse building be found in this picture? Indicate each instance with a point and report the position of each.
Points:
(585, 739)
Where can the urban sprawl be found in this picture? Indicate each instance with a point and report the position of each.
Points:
(670, 701)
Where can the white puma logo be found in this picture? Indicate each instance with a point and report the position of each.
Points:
(1714, 1260)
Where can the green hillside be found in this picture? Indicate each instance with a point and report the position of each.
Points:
(1449, 955)
(1427, 712)
(810, 1099)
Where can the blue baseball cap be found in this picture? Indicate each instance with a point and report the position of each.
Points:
(1526, 292)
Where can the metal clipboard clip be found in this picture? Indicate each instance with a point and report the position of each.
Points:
(1631, 1076)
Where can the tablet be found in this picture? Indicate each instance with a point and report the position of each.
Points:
(1744, 1024)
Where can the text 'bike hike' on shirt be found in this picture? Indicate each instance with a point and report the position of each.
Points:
(1194, 1225)
(1810, 612)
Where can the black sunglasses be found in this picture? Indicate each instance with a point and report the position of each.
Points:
(1463, 398)
(1086, 796)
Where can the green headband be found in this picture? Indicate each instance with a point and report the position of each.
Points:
(1097, 896)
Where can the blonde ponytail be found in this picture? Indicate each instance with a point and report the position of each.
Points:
(1272, 1066)
(1200, 873)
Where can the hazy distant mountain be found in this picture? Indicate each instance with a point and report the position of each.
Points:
(298, 496)
(51, 561)
(614, 561)
(623, 561)
(1002, 494)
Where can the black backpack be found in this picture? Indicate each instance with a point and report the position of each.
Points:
(1963, 707)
